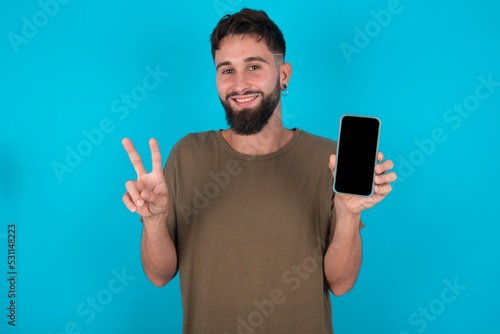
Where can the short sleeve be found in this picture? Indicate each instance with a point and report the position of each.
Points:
(170, 178)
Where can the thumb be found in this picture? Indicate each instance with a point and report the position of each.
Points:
(332, 162)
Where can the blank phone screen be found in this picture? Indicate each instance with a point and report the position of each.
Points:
(356, 155)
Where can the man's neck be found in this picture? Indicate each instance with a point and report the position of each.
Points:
(272, 137)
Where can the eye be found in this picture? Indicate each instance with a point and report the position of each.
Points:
(227, 71)
(253, 67)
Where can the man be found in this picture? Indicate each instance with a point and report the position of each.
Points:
(247, 215)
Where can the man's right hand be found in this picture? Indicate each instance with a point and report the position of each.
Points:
(148, 195)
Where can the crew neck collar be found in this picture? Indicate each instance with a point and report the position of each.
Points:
(249, 157)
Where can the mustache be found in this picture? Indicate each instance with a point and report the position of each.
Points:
(231, 94)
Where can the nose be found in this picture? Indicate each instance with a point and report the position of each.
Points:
(240, 83)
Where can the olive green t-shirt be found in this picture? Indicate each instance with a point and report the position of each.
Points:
(251, 232)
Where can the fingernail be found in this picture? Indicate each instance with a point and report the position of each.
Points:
(132, 208)
(139, 202)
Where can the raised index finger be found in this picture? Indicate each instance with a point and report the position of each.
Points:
(155, 155)
(134, 157)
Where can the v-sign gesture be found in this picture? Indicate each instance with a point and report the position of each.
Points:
(148, 195)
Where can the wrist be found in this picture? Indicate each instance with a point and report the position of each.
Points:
(347, 218)
(343, 211)
(348, 215)
(154, 223)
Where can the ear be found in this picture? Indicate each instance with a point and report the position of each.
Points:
(285, 73)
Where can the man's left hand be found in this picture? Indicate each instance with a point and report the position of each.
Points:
(353, 205)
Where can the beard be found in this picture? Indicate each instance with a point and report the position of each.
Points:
(249, 121)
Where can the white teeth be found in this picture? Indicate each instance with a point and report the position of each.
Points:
(245, 99)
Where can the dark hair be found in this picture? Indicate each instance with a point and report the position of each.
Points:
(249, 22)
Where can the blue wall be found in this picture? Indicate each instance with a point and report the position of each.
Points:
(428, 69)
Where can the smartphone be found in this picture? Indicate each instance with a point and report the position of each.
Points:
(357, 150)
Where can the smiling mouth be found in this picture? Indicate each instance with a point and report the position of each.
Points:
(245, 99)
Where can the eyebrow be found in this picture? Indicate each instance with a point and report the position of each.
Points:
(246, 60)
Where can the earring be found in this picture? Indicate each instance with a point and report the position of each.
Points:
(284, 90)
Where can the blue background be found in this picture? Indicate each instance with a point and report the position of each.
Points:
(439, 225)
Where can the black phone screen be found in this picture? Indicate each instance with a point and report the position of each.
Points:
(356, 155)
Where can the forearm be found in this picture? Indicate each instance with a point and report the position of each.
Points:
(158, 254)
(343, 257)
